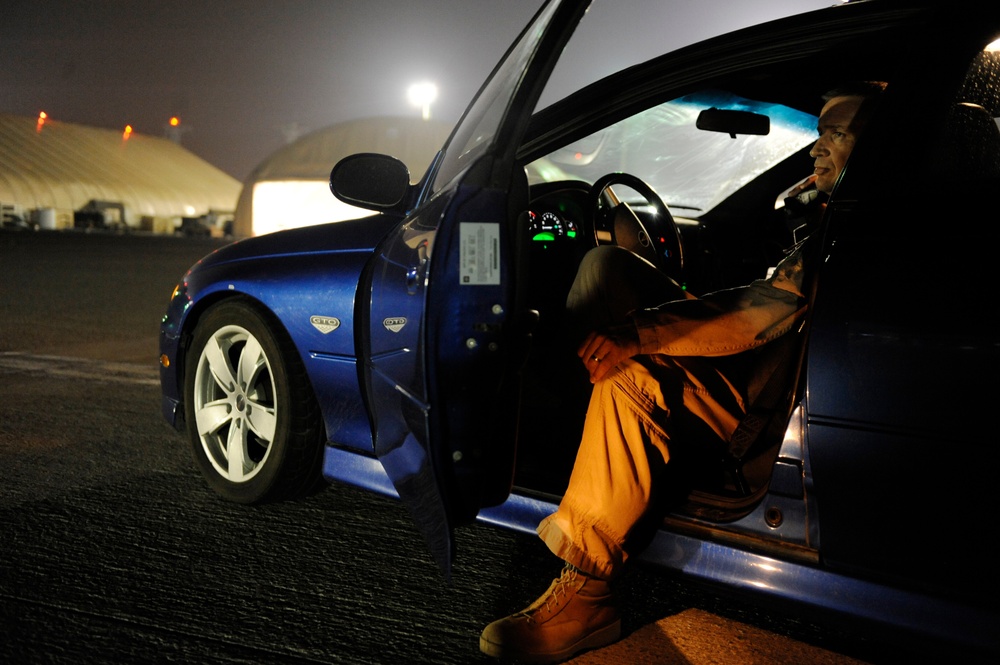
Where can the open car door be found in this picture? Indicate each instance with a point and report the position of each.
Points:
(447, 327)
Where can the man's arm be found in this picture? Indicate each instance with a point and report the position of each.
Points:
(720, 324)
(727, 322)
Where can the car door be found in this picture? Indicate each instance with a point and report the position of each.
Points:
(901, 442)
(446, 327)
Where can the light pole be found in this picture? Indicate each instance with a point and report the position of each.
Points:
(422, 95)
(174, 130)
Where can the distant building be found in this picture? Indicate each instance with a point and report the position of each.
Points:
(291, 188)
(60, 175)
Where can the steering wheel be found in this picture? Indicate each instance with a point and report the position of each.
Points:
(660, 244)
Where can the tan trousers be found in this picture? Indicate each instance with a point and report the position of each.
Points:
(633, 416)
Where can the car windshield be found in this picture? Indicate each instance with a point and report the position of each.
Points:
(692, 170)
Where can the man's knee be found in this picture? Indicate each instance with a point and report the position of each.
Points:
(641, 382)
(608, 262)
(607, 276)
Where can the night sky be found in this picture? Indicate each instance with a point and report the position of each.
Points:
(243, 75)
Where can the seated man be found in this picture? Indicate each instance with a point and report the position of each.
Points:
(656, 380)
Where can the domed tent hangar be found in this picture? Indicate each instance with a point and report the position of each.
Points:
(60, 175)
(291, 188)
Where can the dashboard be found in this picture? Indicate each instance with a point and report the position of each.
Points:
(558, 213)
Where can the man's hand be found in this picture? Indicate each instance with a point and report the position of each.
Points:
(602, 351)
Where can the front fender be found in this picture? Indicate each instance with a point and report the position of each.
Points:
(309, 292)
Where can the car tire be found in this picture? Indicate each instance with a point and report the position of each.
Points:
(245, 384)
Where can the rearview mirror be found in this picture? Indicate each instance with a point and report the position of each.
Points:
(733, 122)
(369, 180)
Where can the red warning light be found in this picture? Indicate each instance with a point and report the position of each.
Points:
(174, 121)
(127, 133)
(42, 117)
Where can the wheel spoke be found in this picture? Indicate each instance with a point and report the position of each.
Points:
(236, 451)
(219, 365)
(212, 416)
(261, 420)
(251, 359)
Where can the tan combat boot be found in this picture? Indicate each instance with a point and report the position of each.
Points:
(576, 613)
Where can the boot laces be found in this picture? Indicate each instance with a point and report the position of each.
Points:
(555, 593)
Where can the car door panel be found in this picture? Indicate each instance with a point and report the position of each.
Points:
(447, 331)
(478, 336)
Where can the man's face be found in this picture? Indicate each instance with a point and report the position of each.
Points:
(836, 140)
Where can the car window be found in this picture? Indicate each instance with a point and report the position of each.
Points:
(692, 170)
(971, 142)
(475, 132)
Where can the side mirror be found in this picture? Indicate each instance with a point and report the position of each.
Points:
(369, 180)
(733, 122)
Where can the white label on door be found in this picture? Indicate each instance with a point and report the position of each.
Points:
(479, 254)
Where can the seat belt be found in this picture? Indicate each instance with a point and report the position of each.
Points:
(758, 417)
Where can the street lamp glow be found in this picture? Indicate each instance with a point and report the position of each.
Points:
(422, 95)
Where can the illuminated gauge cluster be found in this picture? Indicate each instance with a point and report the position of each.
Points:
(549, 227)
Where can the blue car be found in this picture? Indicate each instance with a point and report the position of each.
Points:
(422, 353)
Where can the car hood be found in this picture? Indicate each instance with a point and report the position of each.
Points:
(357, 235)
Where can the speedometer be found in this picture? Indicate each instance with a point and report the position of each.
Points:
(548, 226)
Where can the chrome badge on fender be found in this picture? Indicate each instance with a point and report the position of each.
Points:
(324, 324)
(394, 323)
